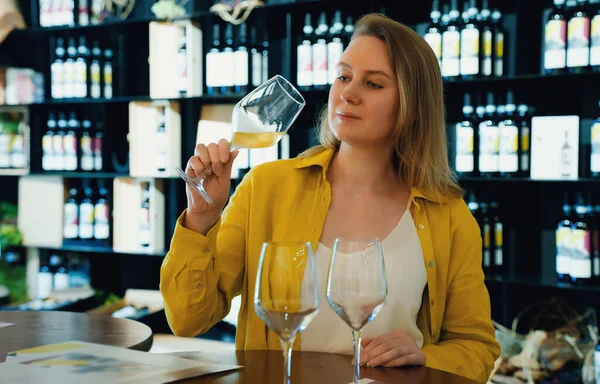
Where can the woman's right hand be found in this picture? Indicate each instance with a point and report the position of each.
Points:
(217, 184)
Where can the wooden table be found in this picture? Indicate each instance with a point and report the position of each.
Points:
(35, 328)
(309, 368)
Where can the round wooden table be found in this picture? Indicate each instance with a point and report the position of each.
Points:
(309, 368)
(35, 328)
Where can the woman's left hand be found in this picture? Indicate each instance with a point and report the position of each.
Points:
(392, 349)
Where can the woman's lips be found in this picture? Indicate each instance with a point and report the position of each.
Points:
(346, 116)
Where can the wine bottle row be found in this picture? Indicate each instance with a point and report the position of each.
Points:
(577, 241)
(231, 66)
(87, 215)
(493, 139)
(470, 45)
(80, 72)
(69, 13)
(12, 140)
(568, 44)
(319, 49)
(487, 214)
(71, 144)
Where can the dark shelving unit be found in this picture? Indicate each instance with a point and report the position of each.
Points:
(530, 209)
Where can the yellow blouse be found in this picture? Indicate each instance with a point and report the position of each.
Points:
(288, 200)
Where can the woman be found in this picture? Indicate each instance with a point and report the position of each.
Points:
(381, 171)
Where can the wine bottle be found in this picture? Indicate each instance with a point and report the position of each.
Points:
(256, 58)
(108, 74)
(57, 70)
(433, 36)
(469, 45)
(498, 236)
(488, 140)
(86, 147)
(524, 139)
(69, 70)
(71, 216)
(509, 140)
(486, 236)
(213, 58)
(70, 143)
(578, 51)
(81, 69)
(465, 139)
(265, 55)
(486, 40)
(555, 45)
(319, 56)
(227, 62)
(59, 142)
(95, 78)
(335, 47)
(304, 76)
(241, 62)
(451, 44)
(86, 215)
(595, 140)
(581, 260)
(499, 37)
(98, 146)
(144, 227)
(161, 141)
(102, 216)
(595, 36)
(47, 144)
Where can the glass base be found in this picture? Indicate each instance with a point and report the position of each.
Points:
(197, 183)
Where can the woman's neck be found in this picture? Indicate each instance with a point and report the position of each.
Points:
(363, 170)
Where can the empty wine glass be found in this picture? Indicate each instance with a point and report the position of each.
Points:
(357, 286)
(259, 120)
(286, 295)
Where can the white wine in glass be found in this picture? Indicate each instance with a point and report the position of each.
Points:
(286, 296)
(357, 286)
(259, 120)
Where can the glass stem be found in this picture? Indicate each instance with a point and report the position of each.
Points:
(286, 346)
(356, 339)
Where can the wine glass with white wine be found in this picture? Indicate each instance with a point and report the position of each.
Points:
(259, 120)
(286, 295)
(357, 286)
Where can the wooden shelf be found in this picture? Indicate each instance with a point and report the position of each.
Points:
(81, 175)
(540, 281)
(13, 172)
(126, 99)
(96, 250)
(498, 179)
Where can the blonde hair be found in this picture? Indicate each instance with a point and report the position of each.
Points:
(420, 134)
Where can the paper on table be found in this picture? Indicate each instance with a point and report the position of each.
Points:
(94, 363)
(2, 325)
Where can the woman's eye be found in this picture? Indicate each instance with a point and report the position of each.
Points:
(342, 78)
(373, 85)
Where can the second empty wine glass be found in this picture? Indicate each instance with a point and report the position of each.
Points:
(357, 286)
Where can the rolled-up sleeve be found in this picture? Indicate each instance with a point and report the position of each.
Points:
(202, 274)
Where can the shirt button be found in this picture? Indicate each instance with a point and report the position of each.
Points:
(206, 250)
(431, 264)
(434, 335)
(432, 302)
(421, 226)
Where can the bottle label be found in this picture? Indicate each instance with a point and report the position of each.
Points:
(469, 52)
(212, 71)
(61, 281)
(56, 70)
(450, 53)
(241, 68)
(525, 148)
(563, 250)
(84, 17)
(597, 266)
(108, 79)
(48, 153)
(595, 163)
(87, 153)
(499, 68)
(71, 226)
(227, 67)
(86, 221)
(17, 151)
(488, 148)
(68, 78)
(595, 41)
(44, 285)
(465, 161)
(486, 235)
(487, 258)
(578, 54)
(144, 226)
(101, 221)
(435, 42)
(80, 79)
(334, 54)
(304, 65)
(256, 69)
(487, 52)
(319, 64)
(98, 162)
(161, 150)
(555, 55)
(182, 73)
(581, 263)
(498, 244)
(509, 147)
